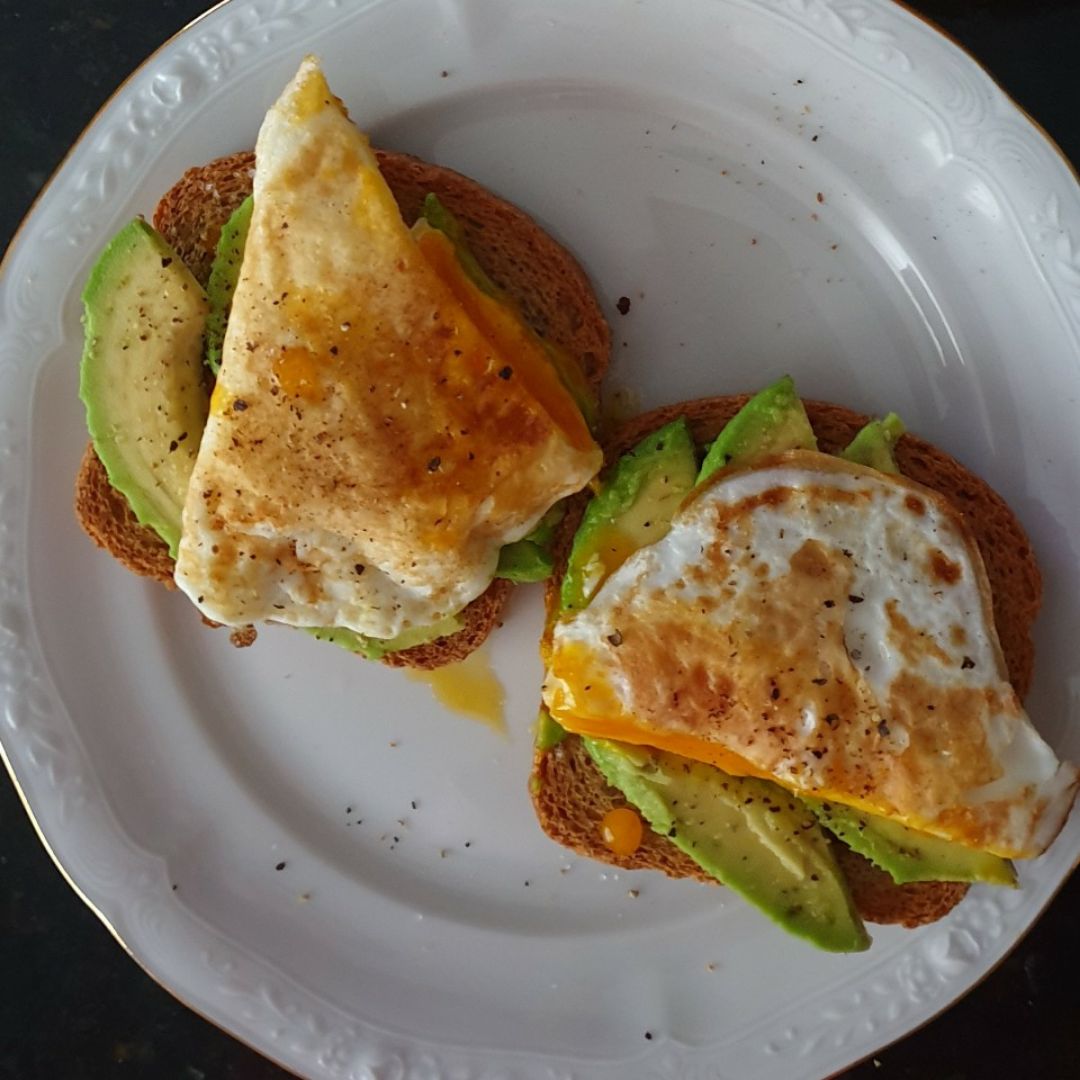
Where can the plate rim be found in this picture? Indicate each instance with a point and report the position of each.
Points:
(1035, 131)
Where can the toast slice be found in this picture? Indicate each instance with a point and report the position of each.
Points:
(541, 276)
(571, 797)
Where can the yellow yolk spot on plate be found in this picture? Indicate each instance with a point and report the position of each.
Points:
(470, 688)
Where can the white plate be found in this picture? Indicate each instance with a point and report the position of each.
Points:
(821, 186)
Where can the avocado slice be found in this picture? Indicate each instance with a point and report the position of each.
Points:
(771, 422)
(749, 834)
(524, 561)
(873, 445)
(224, 274)
(141, 376)
(531, 559)
(634, 508)
(548, 732)
(376, 648)
(908, 855)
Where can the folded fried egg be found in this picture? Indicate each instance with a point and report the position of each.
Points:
(369, 448)
(827, 626)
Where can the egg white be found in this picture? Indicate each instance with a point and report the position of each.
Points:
(363, 462)
(732, 549)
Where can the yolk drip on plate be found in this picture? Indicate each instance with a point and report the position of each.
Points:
(470, 688)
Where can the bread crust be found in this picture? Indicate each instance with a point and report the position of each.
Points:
(541, 275)
(570, 795)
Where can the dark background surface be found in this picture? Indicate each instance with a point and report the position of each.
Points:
(72, 1004)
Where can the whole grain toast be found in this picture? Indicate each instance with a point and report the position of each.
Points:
(570, 795)
(537, 272)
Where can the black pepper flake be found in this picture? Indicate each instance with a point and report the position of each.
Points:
(239, 405)
(819, 682)
(830, 603)
(333, 350)
(832, 719)
(622, 305)
(883, 729)
(167, 261)
(434, 464)
(506, 372)
(413, 804)
(648, 1035)
(173, 445)
(280, 865)
(616, 638)
(359, 568)
(967, 663)
(856, 599)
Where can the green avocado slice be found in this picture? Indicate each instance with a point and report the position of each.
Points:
(141, 375)
(907, 855)
(548, 732)
(377, 648)
(873, 445)
(772, 421)
(748, 833)
(634, 508)
(531, 559)
(224, 274)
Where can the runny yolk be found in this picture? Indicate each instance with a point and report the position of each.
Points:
(469, 687)
(621, 830)
(511, 337)
(583, 701)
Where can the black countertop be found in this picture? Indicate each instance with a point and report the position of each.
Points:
(72, 1004)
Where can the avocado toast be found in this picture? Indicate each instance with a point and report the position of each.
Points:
(512, 278)
(590, 791)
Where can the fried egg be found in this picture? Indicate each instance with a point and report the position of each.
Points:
(371, 446)
(829, 627)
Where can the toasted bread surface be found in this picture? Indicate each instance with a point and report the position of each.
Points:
(570, 795)
(541, 276)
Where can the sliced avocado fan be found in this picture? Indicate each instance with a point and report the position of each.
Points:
(747, 833)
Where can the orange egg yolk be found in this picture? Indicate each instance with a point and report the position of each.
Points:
(511, 337)
(621, 830)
